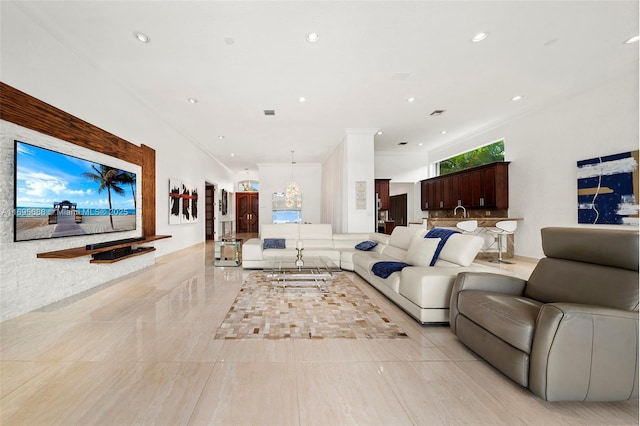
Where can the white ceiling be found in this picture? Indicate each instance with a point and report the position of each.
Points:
(239, 58)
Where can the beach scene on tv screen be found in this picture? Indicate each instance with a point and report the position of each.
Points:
(58, 195)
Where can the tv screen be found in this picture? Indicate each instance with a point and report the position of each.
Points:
(59, 195)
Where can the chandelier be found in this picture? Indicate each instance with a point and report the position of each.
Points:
(292, 190)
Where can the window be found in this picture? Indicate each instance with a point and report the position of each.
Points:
(285, 209)
(476, 157)
(248, 185)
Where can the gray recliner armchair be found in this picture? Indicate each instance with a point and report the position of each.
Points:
(569, 333)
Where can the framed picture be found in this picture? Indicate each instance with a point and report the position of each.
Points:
(224, 202)
(608, 189)
(183, 202)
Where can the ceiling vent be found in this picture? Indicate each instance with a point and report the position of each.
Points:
(269, 112)
(437, 112)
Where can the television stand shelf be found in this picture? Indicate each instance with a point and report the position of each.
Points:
(82, 251)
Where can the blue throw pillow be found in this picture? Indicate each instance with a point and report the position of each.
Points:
(366, 245)
(273, 243)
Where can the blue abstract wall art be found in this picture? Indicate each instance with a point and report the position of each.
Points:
(608, 190)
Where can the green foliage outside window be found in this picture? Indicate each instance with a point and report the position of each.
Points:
(477, 157)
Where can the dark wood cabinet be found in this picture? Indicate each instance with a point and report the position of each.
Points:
(482, 186)
(382, 189)
(209, 212)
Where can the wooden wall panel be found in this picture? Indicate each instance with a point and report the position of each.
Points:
(26, 111)
(148, 191)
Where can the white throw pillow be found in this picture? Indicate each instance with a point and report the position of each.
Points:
(421, 251)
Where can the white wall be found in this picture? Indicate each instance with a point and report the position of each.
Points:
(333, 190)
(359, 167)
(409, 189)
(404, 170)
(544, 146)
(274, 178)
(188, 163)
(29, 283)
(411, 167)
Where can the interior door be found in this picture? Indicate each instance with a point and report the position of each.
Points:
(247, 212)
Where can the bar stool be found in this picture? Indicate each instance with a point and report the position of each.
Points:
(467, 226)
(504, 227)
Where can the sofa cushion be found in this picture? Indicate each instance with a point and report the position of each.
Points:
(366, 245)
(348, 241)
(315, 231)
(461, 249)
(510, 318)
(443, 235)
(422, 250)
(366, 259)
(402, 236)
(272, 253)
(273, 243)
(289, 231)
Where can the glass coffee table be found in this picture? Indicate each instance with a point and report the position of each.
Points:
(314, 272)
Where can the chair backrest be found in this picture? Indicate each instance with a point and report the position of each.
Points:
(587, 266)
(507, 225)
(467, 225)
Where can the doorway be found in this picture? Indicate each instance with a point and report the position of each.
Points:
(209, 211)
(247, 218)
(398, 209)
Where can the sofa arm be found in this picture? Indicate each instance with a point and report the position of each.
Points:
(252, 249)
(584, 353)
(485, 281)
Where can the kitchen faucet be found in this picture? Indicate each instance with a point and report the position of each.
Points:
(464, 211)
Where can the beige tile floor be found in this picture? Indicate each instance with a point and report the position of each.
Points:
(141, 351)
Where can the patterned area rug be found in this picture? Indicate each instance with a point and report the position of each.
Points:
(339, 310)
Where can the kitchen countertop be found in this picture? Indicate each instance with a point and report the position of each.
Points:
(460, 219)
(483, 222)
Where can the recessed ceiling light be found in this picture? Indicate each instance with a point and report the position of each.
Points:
(516, 98)
(420, 144)
(221, 137)
(379, 132)
(411, 99)
(232, 154)
(313, 37)
(142, 37)
(229, 41)
(192, 100)
(444, 132)
(302, 99)
(479, 37)
(632, 40)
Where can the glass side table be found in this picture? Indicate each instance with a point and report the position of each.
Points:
(230, 253)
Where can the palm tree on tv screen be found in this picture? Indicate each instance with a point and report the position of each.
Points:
(109, 179)
(130, 178)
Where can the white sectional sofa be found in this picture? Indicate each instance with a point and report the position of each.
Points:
(422, 291)
(317, 240)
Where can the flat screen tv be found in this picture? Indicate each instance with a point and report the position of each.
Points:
(59, 195)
